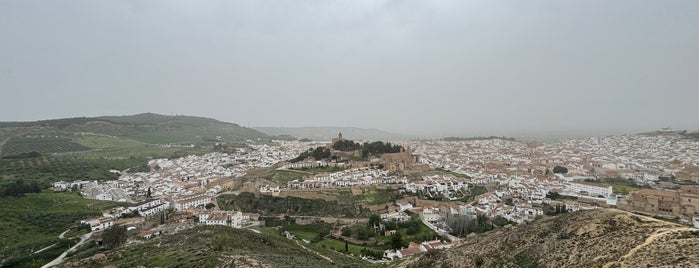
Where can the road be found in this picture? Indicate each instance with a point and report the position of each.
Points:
(440, 231)
(59, 260)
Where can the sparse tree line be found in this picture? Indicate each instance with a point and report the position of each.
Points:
(18, 188)
(376, 148)
(462, 225)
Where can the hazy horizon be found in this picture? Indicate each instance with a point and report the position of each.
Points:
(437, 68)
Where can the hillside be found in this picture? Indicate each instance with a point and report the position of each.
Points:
(327, 133)
(79, 134)
(594, 238)
(218, 246)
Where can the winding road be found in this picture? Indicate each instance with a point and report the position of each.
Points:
(59, 260)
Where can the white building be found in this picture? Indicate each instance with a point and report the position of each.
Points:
(191, 201)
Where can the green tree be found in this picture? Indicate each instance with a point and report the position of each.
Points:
(560, 170)
(397, 240)
(210, 206)
(374, 220)
(346, 246)
(114, 236)
(346, 231)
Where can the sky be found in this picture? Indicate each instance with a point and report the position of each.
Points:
(432, 68)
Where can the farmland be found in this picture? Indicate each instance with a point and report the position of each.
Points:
(42, 144)
(34, 221)
(46, 169)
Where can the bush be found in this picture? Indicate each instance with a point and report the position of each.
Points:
(114, 236)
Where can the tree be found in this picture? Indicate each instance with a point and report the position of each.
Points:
(210, 206)
(346, 246)
(148, 194)
(346, 231)
(397, 240)
(374, 220)
(114, 236)
(500, 221)
(560, 169)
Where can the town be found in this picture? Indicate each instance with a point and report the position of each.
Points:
(442, 182)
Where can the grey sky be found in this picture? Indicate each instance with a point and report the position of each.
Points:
(416, 67)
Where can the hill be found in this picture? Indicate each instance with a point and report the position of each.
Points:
(326, 133)
(593, 238)
(66, 135)
(34, 221)
(218, 246)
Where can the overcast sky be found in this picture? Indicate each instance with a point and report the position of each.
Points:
(416, 67)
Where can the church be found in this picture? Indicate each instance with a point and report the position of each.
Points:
(335, 140)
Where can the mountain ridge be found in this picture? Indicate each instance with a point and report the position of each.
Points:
(328, 132)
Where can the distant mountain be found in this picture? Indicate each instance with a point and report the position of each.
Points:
(66, 135)
(592, 238)
(327, 133)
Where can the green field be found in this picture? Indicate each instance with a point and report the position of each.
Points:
(42, 144)
(34, 221)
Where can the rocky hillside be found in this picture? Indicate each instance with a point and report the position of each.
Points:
(216, 246)
(596, 238)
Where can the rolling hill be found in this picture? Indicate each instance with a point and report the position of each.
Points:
(88, 133)
(327, 133)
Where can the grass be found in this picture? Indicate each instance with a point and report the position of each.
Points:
(622, 187)
(34, 221)
(279, 176)
(338, 245)
(285, 176)
(619, 186)
(370, 196)
(323, 169)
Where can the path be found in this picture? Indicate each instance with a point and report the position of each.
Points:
(657, 234)
(41, 250)
(440, 231)
(63, 234)
(324, 257)
(59, 260)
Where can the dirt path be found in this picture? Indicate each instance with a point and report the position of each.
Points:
(657, 234)
(59, 260)
(41, 250)
(324, 257)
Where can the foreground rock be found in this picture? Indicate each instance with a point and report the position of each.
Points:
(595, 238)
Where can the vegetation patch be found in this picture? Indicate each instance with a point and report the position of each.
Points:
(214, 246)
(271, 205)
(34, 221)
